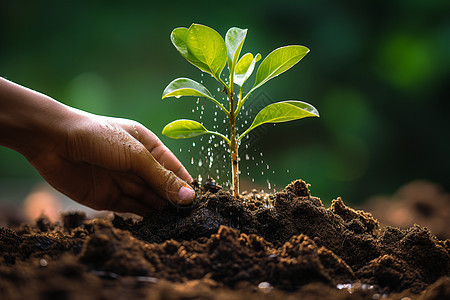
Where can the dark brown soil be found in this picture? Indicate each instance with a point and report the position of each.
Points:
(282, 246)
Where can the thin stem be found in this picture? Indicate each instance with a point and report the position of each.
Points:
(242, 101)
(221, 106)
(239, 101)
(234, 143)
(244, 133)
(221, 135)
(217, 102)
(222, 82)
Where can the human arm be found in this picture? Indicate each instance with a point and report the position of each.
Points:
(102, 162)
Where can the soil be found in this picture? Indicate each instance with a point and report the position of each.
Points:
(281, 246)
(419, 201)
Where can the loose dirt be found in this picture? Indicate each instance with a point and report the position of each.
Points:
(261, 246)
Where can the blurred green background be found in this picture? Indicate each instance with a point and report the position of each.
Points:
(378, 72)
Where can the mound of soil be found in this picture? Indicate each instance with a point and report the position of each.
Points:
(281, 246)
(421, 202)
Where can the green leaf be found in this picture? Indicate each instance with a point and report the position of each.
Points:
(244, 68)
(186, 87)
(178, 38)
(206, 49)
(282, 112)
(234, 40)
(277, 62)
(181, 129)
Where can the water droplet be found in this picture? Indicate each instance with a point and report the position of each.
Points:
(247, 157)
(267, 166)
(43, 262)
(192, 161)
(200, 163)
(193, 144)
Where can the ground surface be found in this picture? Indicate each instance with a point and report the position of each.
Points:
(282, 246)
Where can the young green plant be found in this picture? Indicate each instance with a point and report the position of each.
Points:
(207, 50)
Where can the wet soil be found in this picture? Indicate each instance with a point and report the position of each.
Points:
(281, 246)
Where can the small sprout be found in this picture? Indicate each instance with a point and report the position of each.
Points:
(207, 50)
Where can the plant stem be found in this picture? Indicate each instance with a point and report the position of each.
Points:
(234, 144)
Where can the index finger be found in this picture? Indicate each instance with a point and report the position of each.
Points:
(160, 152)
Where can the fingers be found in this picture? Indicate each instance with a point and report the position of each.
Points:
(160, 152)
(137, 190)
(166, 158)
(163, 181)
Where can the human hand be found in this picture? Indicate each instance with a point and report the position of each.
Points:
(101, 162)
(114, 164)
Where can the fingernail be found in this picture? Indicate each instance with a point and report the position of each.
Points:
(186, 194)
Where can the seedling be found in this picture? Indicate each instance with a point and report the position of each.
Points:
(207, 50)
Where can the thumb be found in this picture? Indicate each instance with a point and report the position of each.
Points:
(163, 181)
